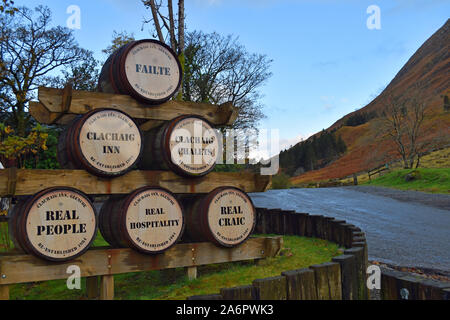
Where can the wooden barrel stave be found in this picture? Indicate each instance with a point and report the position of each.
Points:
(105, 224)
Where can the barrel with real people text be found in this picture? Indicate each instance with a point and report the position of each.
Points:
(187, 145)
(148, 70)
(105, 142)
(55, 224)
(149, 220)
(226, 216)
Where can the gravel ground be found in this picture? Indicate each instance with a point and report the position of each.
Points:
(403, 228)
(440, 201)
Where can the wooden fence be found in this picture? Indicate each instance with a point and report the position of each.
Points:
(344, 278)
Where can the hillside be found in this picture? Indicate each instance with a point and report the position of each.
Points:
(368, 146)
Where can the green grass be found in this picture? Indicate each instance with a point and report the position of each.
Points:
(299, 252)
(432, 180)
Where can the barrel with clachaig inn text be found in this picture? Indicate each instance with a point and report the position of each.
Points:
(226, 216)
(187, 145)
(56, 224)
(147, 70)
(149, 220)
(105, 142)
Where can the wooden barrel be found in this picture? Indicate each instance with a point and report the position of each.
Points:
(226, 216)
(105, 142)
(147, 70)
(187, 145)
(56, 224)
(150, 220)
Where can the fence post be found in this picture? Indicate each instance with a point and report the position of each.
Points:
(239, 293)
(301, 284)
(107, 287)
(328, 281)
(4, 292)
(273, 288)
(192, 273)
(92, 288)
(349, 277)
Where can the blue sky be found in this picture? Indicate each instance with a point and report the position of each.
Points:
(326, 62)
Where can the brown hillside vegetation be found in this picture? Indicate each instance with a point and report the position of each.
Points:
(368, 145)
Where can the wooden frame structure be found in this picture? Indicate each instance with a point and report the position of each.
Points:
(106, 262)
(61, 106)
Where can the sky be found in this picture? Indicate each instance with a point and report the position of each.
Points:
(327, 62)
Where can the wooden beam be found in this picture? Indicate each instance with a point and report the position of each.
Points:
(81, 102)
(31, 181)
(108, 261)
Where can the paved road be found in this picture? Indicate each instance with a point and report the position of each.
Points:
(404, 229)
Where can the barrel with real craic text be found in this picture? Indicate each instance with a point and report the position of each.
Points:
(226, 216)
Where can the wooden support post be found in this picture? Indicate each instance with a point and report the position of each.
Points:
(92, 288)
(107, 287)
(4, 292)
(192, 273)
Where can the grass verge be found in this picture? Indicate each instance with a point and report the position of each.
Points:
(432, 180)
(298, 252)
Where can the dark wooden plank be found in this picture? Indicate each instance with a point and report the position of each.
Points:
(429, 289)
(389, 288)
(239, 293)
(361, 268)
(274, 288)
(328, 281)
(349, 276)
(301, 284)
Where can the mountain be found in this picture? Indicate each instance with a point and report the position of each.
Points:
(368, 146)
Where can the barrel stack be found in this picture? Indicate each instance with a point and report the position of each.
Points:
(60, 223)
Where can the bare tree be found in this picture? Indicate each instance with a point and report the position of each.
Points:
(31, 51)
(218, 69)
(403, 117)
(165, 25)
